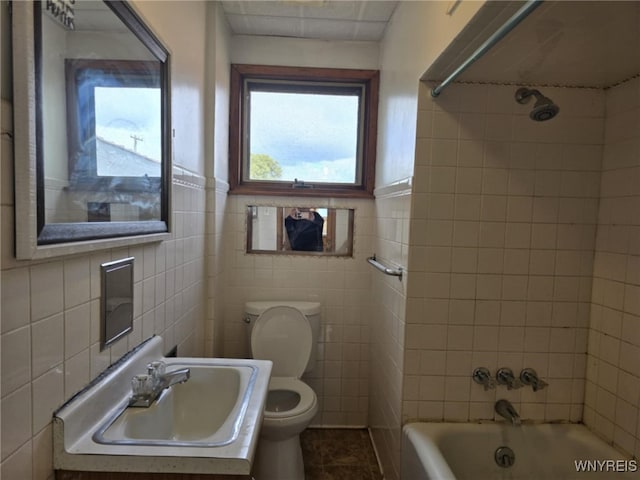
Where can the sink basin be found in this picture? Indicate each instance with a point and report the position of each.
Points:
(207, 410)
(208, 425)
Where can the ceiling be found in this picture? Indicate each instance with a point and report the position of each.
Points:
(585, 44)
(568, 43)
(319, 19)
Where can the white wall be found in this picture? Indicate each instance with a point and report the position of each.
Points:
(183, 27)
(221, 76)
(416, 35)
(303, 52)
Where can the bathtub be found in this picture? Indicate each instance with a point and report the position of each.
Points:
(467, 451)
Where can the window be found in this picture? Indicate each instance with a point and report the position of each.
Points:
(302, 131)
(300, 230)
(110, 136)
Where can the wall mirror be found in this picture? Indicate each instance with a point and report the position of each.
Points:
(92, 150)
(300, 230)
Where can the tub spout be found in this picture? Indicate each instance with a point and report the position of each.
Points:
(507, 411)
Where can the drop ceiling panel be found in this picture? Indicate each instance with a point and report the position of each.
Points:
(324, 19)
(343, 30)
(264, 25)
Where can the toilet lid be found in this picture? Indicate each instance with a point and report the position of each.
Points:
(282, 335)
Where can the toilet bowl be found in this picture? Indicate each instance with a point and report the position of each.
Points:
(283, 335)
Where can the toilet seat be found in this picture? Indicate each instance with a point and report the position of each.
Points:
(307, 397)
(283, 335)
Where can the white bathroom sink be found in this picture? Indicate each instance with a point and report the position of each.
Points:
(207, 410)
(209, 424)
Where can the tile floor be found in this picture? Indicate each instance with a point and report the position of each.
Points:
(338, 454)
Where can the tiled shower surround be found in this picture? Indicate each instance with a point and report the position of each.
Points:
(504, 214)
(511, 224)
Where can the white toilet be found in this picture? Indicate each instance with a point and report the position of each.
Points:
(287, 334)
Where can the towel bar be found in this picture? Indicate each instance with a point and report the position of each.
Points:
(395, 272)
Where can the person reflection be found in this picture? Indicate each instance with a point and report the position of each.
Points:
(304, 229)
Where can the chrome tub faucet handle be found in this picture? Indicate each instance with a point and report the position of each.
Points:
(528, 376)
(504, 376)
(482, 376)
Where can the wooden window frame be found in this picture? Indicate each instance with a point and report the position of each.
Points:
(369, 79)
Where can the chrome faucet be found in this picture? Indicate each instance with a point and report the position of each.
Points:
(147, 388)
(507, 411)
(528, 376)
(504, 376)
(482, 376)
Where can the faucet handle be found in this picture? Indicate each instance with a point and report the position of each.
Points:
(540, 385)
(156, 370)
(504, 376)
(141, 385)
(482, 376)
(528, 376)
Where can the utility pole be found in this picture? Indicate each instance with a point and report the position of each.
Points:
(136, 139)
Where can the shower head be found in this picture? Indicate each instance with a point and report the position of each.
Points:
(544, 109)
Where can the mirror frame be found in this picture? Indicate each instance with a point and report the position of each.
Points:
(35, 238)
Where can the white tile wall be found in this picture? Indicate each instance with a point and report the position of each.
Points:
(341, 285)
(612, 394)
(503, 222)
(215, 265)
(51, 319)
(387, 324)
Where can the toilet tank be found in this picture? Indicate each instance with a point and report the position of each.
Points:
(311, 310)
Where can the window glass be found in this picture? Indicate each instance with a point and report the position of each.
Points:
(311, 137)
(127, 143)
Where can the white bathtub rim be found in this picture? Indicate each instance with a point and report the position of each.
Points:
(423, 439)
(430, 457)
(525, 423)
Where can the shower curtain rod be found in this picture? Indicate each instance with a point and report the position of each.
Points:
(499, 34)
